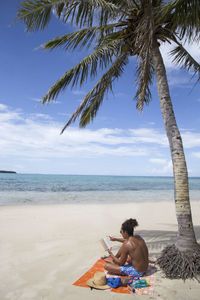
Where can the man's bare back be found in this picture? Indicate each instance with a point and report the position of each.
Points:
(133, 248)
(138, 253)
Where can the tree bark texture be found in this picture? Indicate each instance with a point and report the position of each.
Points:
(186, 237)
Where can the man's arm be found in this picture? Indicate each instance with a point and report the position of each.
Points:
(116, 256)
(114, 239)
(120, 260)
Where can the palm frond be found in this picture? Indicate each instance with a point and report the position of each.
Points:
(182, 57)
(37, 13)
(59, 9)
(143, 45)
(101, 57)
(116, 35)
(145, 73)
(186, 18)
(82, 13)
(80, 38)
(92, 101)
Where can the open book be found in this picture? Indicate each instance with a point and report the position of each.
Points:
(106, 243)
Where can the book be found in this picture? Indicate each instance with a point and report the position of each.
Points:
(106, 243)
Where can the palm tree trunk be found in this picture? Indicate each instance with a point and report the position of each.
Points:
(186, 237)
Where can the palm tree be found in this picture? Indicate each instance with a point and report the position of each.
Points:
(116, 30)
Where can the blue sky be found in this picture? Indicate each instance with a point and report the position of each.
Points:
(120, 141)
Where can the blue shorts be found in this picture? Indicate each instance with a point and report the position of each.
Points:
(128, 270)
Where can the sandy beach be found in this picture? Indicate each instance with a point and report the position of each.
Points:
(44, 249)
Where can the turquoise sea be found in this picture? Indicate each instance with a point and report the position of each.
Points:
(16, 189)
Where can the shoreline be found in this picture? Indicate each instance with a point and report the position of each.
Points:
(90, 197)
(45, 248)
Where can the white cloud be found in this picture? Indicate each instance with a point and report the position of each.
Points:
(165, 49)
(39, 101)
(191, 139)
(178, 80)
(175, 74)
(192, 48)
(27, 138)
(36, 99)
(196, 154)
(38, 134)
(31, 136)
(120, 94)
(146, 135)
(157, 160)
(3, 107)
(77, 92)
(7, 114)
(167, 169)
(40, 116)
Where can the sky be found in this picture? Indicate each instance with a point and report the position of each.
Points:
(120, 141)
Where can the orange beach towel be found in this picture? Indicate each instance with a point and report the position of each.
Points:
(99, 266)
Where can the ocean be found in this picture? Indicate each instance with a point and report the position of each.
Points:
(35, 189)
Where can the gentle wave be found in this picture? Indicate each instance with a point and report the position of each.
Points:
(46, 189)
(97, 197)
(67, 183)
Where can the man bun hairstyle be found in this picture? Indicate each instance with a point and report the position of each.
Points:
(129, 225)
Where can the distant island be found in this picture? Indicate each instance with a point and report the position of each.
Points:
(12, 172)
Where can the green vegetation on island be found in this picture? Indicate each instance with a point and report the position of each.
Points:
(9, 172)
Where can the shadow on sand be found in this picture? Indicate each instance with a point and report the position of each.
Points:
(158, 239)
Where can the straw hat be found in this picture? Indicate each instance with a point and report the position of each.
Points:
(98, 281)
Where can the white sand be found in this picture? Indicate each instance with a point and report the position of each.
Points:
(44, 249)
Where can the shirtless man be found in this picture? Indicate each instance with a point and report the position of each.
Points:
(133, 247)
